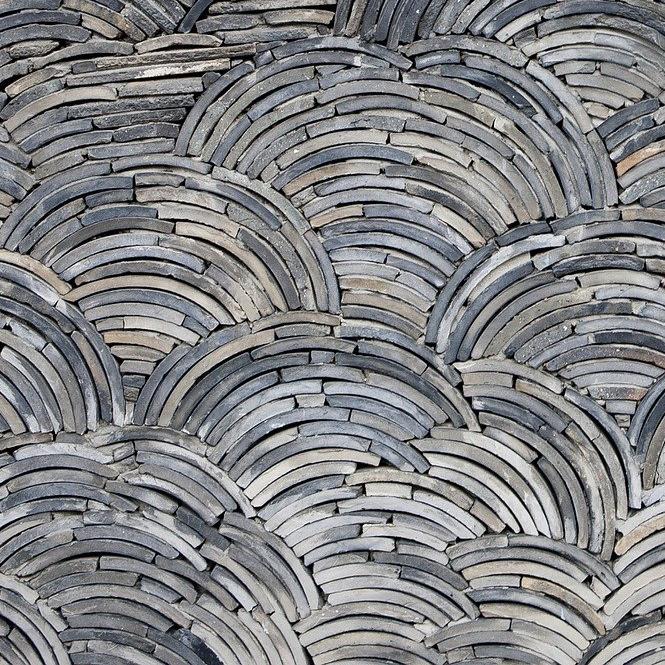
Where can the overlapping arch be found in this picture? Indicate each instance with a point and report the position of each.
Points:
(331, 332)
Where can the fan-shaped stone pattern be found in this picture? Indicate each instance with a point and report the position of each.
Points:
(332, 332)
(578, 298)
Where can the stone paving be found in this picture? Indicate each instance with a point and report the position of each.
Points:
(332, 332)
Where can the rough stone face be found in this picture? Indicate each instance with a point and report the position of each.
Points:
(332, 332)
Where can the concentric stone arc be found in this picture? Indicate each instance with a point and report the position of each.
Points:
(332, 332)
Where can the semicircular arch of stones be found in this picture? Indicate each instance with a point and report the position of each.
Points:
(332, 332)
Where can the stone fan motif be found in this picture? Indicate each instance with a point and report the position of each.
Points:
(332, 332)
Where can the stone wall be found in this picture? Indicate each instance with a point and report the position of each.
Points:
(332, 332)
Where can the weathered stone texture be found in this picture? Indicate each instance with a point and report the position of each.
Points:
(332, 332)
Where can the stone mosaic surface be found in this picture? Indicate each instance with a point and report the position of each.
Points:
(332, 332)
